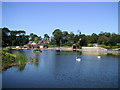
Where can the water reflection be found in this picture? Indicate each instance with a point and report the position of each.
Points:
(21, 67)
(22, 59)
(31, 60)
(94, 53)
(58, 52)
(35, 59)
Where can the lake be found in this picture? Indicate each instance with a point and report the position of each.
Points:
(59, 69)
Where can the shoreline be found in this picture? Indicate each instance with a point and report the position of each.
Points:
(114, 52)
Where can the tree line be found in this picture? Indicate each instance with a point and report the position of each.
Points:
(60, 38)
(103, 38)
(19, 37)
(13, 37)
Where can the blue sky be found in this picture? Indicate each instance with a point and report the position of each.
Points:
(45, 17)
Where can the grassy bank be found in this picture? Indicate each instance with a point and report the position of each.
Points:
(110, 47)
(55, 46)
(12, 59)
(37, 50)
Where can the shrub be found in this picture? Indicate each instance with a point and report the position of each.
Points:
(78, 45)
(90, 45)
(6, 48)
(114, 47)
(7, 58)
(20, 58)
(14, 59)
(118, 44)
(37, 50)
(104, 46)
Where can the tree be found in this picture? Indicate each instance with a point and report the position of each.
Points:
(107, 34)
(32, 36)
(76, 38)
(57, 34)
(79, 32)
(114, 39)
(88, 38)
(101, 33)
(36, 40)
(103, 40)
(21, 32)
(5, 36)
(64, 37)
(53, 42)
(46, 37)
(5, 31)
(71, 38)
(83, 41)
(94, 38)
(40, 38)
(13, 37)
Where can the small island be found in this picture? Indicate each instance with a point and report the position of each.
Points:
(37, 50)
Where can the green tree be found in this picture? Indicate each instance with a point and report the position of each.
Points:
(5, 36)
(76, 38)
(83, 40)
(13, 37)
(103, 40)
(88, 38)
(71, 38)
(114, 39)
(53, 42)
(57, 36)
(64, 37)
(107, 34)
(40, 38)
(32, 36)
(46, 37)
(94, 38)
(36, 40)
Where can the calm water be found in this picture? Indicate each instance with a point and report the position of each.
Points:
(53, 69)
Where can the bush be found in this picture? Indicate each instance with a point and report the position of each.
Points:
(8, 58)
(52, 46)
(114, 47)
(118, 44)
(90, 45)
(6, 48)
(78, 46)
(37, 50)
(15, 59)
(104, 46)
(20, 58)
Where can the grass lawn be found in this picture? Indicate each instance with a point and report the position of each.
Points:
(54, 46)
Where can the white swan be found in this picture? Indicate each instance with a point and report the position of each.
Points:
(98, 56)
(78, 59)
